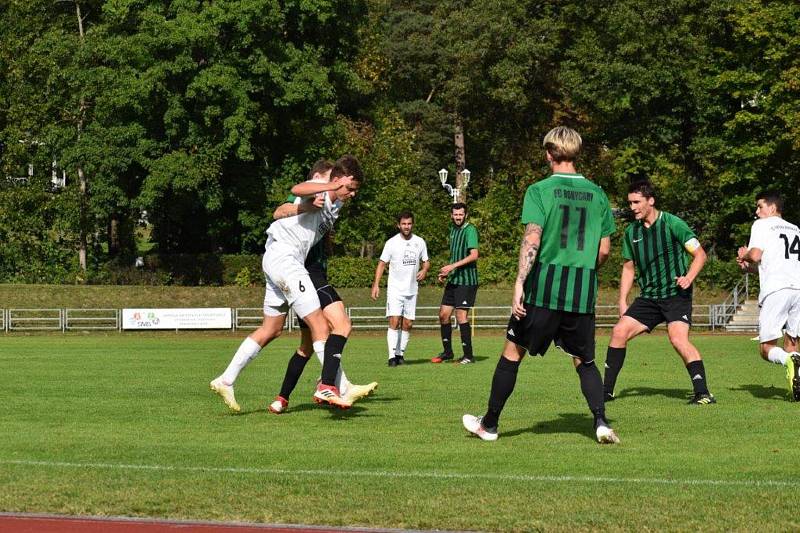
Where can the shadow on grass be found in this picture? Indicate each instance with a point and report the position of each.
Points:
(578, 423)
(760, 391)
(454, 361)
(681, 394)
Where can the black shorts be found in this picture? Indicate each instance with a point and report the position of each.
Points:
(652, 312)
(327, 295)
(318, 275)
(459, 296)
(572, 332)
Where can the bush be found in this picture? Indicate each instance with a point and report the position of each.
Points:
(347, 272)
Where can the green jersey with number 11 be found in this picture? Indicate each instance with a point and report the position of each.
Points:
(574, 215)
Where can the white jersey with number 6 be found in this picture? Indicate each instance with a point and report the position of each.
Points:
(303, 231)
(779, 242)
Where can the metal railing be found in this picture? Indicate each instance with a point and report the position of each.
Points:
(35, 320)
(92, 319)
(362, 318)
(723, 313)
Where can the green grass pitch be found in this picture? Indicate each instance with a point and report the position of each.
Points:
(124, 424)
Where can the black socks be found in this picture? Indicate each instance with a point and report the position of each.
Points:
(505, 377)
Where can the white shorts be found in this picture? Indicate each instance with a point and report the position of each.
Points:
(779, 310)
(288, 283)
(399, 305)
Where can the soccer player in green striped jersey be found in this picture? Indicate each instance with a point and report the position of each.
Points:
(462, 284)
(655, 245)
(568, 224)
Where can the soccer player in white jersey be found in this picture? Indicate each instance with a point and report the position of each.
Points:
(330, 302)
(775, 247)
(403, 253)
(288, 283)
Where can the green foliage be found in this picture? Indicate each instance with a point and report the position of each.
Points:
(347, 272)
(204, 115)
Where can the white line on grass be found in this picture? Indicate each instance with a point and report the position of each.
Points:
(412, 474)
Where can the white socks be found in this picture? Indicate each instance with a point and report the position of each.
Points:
(404, 335)
(777, 355)
(247, 351)
(391, 341)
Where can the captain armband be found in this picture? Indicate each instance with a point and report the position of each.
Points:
(692, 245)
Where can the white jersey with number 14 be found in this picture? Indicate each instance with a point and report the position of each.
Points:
(779, 242)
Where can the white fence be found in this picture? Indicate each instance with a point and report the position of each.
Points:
(247, 318)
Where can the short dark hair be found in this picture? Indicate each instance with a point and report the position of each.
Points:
(643, 187)
(772, 198)
(459, 205)
(348, 165)
(405, 214)
(320, 167)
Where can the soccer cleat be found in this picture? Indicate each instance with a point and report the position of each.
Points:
(392, 361)
(702, 399)
(442, 357)
(356, 392)
(606, 435)
(330, 394)
(465, 361)
(226, 392)
(474, 424)
(792, 369)
(609, 397)
(279, 405)
(400, 360)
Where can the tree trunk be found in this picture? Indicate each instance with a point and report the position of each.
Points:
(114, 242)
(82, 221)
(81, 176)
(461, 160)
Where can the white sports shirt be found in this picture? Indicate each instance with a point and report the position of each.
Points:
(779, 242)
(303, 231)
(404, 257)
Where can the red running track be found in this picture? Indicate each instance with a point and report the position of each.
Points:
(36, 523)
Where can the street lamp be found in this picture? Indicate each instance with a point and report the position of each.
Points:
(453, 191)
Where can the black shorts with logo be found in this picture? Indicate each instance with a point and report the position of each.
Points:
(459, 296)
(652, 312)
(572, 332)
(325, 291)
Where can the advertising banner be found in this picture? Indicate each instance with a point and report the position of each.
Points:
(201, 318)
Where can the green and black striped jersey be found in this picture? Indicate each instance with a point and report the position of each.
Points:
(574, 215)
(462, 240)
(659, 254)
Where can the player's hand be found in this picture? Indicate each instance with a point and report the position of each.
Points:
(441, 278)
(344, 181)
(421, 275)
(683, 282)
(376, 291)
(744, 265)
(741, 252)
(623, 307)
(517, 307)
(445, 271)
(319, 201)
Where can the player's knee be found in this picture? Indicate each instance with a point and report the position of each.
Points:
(343, 328)
(764, 351)
(679, 341)
(407, 324)
(619, 333)
(444, 318)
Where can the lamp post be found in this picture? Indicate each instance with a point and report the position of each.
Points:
(455, 192)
